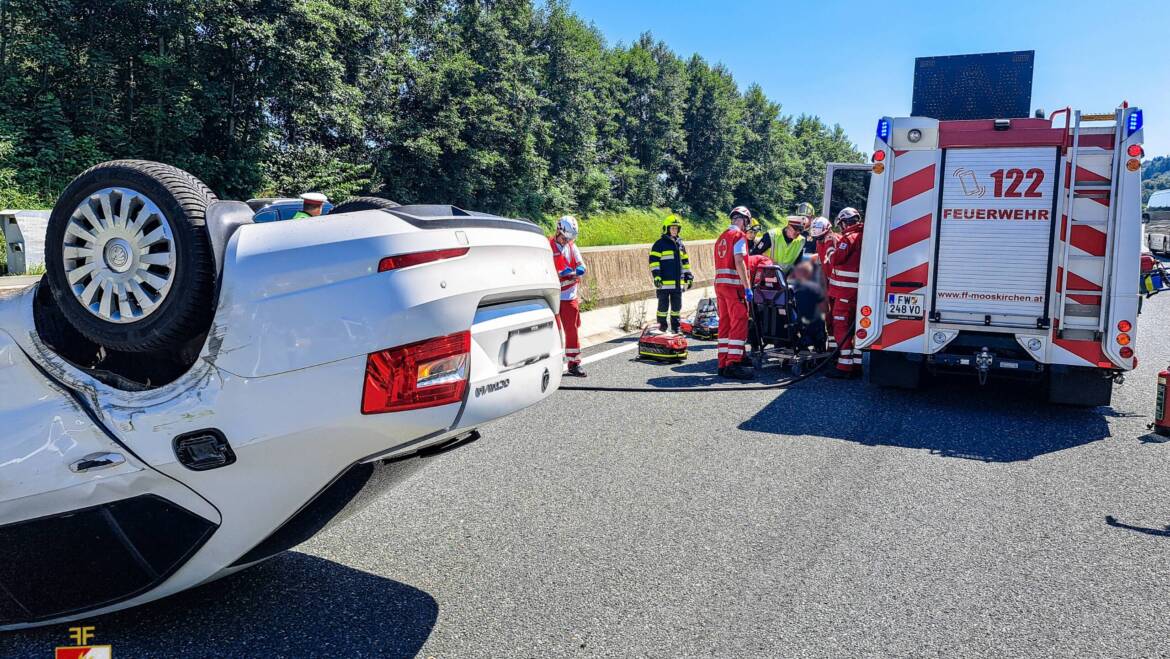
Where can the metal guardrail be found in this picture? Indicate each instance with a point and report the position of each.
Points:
(24, 236)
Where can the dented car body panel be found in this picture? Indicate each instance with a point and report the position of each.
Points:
(280, 377)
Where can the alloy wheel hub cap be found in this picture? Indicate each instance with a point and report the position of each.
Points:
(119, 255)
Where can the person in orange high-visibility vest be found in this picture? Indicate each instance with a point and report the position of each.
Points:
(570, 267)
(732, 295)
(844, 271)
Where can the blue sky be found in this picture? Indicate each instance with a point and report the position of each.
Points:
(851, 62)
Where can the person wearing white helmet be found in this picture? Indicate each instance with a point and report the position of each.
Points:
(570, 267)
(733, 293)
(312, 204)
(824, 239)
(843, 272)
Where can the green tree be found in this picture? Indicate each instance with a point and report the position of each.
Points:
(714, 136)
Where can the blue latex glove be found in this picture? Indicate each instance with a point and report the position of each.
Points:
(580, 271)
(748, 295)
(567, 272)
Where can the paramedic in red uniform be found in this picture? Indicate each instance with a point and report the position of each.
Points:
(732, 295)
(825, 241)
(843, 273)
(570, 267)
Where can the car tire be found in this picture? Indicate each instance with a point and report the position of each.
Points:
(354, 204)
(128, 258)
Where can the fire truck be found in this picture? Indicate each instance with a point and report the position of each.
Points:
(1000, 247)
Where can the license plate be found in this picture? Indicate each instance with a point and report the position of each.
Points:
(903, 305)
(528, 344)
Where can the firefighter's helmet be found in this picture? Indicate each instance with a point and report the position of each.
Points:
(671, 221)
(754, 226)
(741, 211)
(567, 225)
(805, 209)
(848, 215)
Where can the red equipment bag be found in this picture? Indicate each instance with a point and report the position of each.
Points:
(662, 346)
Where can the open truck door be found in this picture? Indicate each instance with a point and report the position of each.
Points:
(846, 184)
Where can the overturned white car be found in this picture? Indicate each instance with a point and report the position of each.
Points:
(187, 393)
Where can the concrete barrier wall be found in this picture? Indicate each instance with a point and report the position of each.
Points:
(622, 273)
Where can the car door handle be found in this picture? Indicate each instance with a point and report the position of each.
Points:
(96, 461)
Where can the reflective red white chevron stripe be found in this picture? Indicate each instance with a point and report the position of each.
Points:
(914, 203)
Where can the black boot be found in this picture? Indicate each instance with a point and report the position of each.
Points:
(738, 372)
(576, 371)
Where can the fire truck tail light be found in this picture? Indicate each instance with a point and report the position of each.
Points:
(418, 258)
(1135, 151)
(1123, 339)
(878, 168)
(1124, 326)
(866, 322)
(867, 310)
(862, 333)
(424, 374)
(879, 156)
(1126, 352)
(1133, 164)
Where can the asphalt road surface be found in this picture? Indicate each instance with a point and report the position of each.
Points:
(830, 519)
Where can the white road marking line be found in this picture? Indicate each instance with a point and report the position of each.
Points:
(606, 354)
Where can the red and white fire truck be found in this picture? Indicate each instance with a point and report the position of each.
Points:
(1001, 247)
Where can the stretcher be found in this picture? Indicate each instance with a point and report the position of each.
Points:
(776, 333)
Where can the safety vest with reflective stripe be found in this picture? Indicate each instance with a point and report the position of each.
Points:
(845, 263)
(785, 253)
(669, 260)
(725, 272)
(566, 258)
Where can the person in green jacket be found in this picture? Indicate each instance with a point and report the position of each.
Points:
(313, 203)
(671, 268)
(784, 244)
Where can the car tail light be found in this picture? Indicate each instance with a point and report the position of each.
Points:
(1126, 352)
(418, 258)
(1123, 339)
(424, 374)
(1124, 326)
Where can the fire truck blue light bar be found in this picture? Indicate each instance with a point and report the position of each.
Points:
(1134, 123)
(883, 130)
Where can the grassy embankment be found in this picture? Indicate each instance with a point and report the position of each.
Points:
(637, 226)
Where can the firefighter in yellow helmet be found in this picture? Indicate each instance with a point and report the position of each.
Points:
(671, 269)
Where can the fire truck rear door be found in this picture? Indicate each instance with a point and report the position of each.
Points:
(995, 236)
